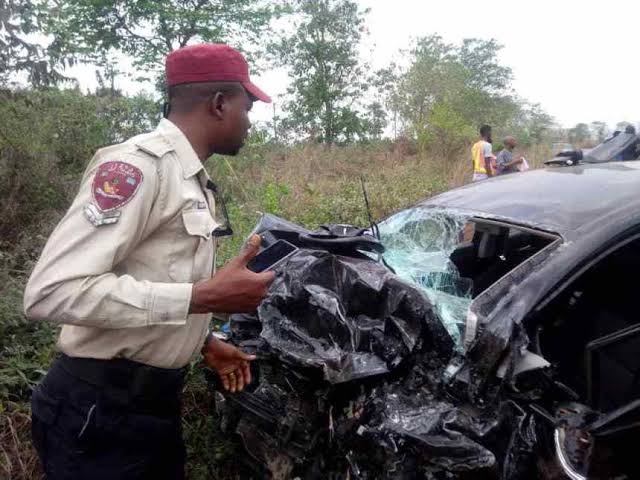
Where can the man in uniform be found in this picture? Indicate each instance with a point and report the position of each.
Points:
(128, 272)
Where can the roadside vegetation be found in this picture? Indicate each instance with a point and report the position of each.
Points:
(406, 130)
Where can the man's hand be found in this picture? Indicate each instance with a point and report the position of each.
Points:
(229, 362)
(514, 162)
(234, 288)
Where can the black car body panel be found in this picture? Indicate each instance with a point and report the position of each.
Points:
(571, 201)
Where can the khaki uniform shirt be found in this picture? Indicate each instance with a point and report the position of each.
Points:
(118, 270)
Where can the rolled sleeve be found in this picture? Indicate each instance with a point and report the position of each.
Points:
(170, 303)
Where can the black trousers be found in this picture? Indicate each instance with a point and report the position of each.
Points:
(83, 431)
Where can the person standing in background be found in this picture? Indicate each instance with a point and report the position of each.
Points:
(482, 155)
(505, 163)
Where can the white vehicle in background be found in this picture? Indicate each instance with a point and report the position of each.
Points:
(559, 147)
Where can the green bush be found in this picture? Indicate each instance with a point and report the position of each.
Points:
(46, 139)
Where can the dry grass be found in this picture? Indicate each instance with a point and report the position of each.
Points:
(311, 173)
(19, 461)
(304, 176)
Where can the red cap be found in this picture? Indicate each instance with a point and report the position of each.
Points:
(210, 62)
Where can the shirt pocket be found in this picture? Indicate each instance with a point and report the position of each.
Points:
(194, 247)
(198, 222)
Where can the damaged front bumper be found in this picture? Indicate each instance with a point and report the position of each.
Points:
(360, 376)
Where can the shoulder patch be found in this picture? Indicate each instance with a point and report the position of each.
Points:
(115, 184)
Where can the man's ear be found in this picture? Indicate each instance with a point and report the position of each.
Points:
(218, 105)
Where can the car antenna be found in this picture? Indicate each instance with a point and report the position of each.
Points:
(374, 226)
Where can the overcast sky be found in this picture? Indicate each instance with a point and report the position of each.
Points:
(578, 59)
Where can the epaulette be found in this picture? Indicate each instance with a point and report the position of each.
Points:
(155, 145)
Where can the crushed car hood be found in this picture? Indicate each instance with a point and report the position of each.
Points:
(354, 380)
(350, 318)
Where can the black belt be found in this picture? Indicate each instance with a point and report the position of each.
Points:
(129, 382)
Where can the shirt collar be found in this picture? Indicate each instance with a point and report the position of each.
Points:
(187, 156)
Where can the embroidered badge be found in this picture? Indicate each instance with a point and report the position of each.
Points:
(115, 184)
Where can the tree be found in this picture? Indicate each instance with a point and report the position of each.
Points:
(20, 52)
(448, 91)
(385, 81)
(579, 134)
(467, 77)
(448, 131)
(376, 119)
(599, 131)
(327, 77)
(531, 124)
(480, 59)
(148, 30)
(431, 76)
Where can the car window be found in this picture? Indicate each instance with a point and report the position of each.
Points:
(418, 245)
(454, 257)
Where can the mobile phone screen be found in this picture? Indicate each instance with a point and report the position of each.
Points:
(270, 256)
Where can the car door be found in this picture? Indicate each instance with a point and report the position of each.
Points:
(591, 333)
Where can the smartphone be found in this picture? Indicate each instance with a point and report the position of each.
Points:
(271, 256)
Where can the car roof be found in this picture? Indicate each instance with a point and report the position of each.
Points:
(562, 200)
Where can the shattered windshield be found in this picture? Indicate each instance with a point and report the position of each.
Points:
(453, 258)
(419, 243)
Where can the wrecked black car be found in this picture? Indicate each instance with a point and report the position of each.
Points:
(620, 147)
(491, 332)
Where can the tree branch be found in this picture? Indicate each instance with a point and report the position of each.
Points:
(191, 31)
(123, 24)
(164, 32)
